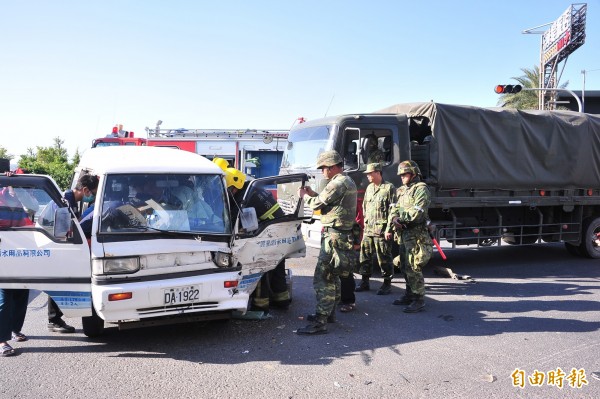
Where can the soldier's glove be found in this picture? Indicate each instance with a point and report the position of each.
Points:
(398, 223)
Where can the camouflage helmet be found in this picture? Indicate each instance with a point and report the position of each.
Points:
(328, 158)
(373, 167)
(409, 167)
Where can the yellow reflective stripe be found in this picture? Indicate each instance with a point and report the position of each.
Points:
(269, 214)
(281, 296)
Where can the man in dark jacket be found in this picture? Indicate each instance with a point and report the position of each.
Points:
(85, 190)
(272, 288)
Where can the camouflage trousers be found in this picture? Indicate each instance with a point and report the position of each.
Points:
(376, 249)
(414, 255)
(336, 258)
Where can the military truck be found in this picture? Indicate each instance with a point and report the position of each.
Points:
(496, 175)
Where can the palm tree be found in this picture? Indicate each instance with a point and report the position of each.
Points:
(525, 99)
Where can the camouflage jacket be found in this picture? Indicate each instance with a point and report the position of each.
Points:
(376, 156)
(376, 208)
(337, 203)
(411, 209)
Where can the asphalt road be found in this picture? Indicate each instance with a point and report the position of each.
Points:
(530, 309)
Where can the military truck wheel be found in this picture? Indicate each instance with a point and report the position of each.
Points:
(590, 241)
(93, 326)
(572, 249)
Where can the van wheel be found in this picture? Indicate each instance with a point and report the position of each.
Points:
(572, 249)
(590, 240)
(93, 326)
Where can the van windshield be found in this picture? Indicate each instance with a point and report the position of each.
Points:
(305, 145)
(185, 203)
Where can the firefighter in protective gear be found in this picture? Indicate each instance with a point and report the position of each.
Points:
(272, 290)
(409, 217)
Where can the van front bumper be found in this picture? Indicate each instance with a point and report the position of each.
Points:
(148, 299)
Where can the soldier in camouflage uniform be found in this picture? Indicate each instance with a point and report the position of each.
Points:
(409, 217)
(337, 258)
(374, 246)
(374, 154)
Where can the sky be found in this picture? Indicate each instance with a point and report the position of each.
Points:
(75, 69)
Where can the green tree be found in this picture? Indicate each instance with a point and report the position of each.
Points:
(4, 153)
(525, 99)
(53, 161)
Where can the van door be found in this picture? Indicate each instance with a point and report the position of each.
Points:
(41, 243)
(260, 247)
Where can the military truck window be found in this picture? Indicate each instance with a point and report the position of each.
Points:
(376, 146)
(365, 146)
(421, 140)
(141, 203)
(351, 145)
(305, 145)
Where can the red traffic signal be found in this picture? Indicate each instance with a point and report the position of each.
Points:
(507, 89)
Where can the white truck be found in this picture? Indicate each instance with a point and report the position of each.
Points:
(161, 248)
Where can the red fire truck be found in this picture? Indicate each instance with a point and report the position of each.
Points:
(118, 137)
(257, 152)
(254, 151)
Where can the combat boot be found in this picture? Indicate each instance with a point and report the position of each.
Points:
(313, 317)
(416, 305)
(313, 329)
(406, 299)
(386, 287)
(364, 285)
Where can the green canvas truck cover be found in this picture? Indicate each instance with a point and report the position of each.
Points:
(509, 149)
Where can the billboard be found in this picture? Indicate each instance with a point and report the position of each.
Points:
(565, 35)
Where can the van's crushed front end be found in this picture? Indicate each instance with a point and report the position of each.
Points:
(164, 248)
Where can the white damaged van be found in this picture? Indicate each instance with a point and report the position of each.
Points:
(161, 247)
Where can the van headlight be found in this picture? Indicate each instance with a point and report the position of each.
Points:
(115, 265)
(221, 259)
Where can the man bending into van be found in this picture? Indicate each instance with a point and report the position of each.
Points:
(85, 190)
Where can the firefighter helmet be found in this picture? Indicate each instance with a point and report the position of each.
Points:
(235, 178)
(221, 163)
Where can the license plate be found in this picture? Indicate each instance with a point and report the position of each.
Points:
(179, 295)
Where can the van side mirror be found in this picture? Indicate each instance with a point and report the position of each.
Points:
(248, 219)
(62, 222)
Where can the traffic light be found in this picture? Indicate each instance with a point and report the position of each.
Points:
(508, 89)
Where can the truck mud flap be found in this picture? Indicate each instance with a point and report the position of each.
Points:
(163, 321)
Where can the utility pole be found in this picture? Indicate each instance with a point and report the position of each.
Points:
(584, 72)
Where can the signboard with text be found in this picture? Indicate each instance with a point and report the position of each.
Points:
(565, 35)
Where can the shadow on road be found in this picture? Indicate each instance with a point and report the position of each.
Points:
(520, 289)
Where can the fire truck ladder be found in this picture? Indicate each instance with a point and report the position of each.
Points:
(223, 134)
